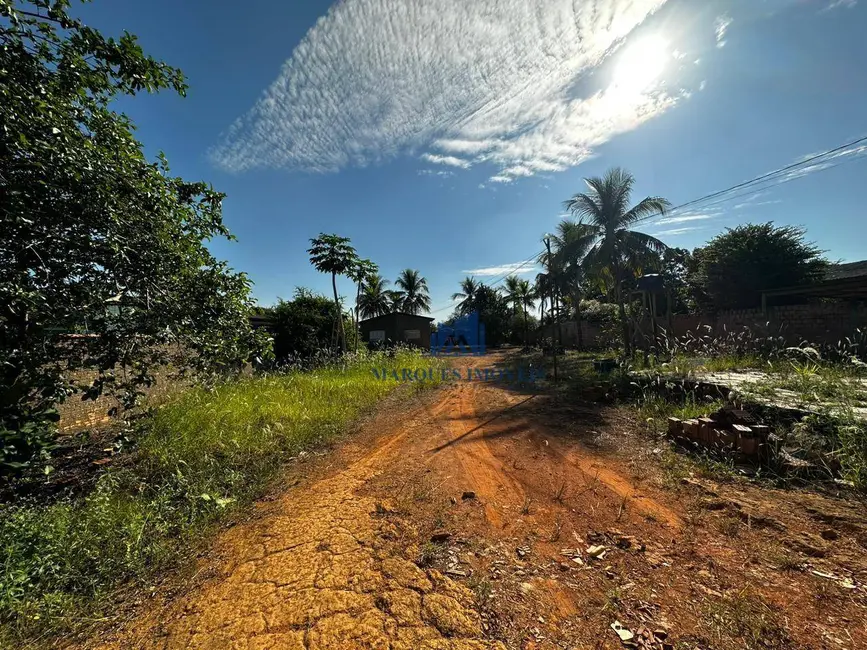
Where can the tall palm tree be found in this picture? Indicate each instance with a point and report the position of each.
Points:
(520, 294)
(467, 295)
(552, 281)
(543, 290)
(617, 250)
(571, 243)
(333, 254)
(412, 292)
(359, 274)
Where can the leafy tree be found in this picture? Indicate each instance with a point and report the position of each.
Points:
(494, 312)
(676, 267)
(469, 287)
(412, 292)
(738, 265)
(375, 299)
(617, 251)
(334, 254)
(93, 233)
(303, 326)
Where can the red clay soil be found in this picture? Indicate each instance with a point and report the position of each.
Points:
(476, 516)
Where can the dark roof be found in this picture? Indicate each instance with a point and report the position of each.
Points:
(396, 313)
(849, 270)
(843, 281)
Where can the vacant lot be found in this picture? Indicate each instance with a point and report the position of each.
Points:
(481, 514)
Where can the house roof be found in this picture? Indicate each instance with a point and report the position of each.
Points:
(842, 281)
(396, 313)
(848, 270)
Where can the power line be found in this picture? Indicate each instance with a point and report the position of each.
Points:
(721, 196)
(769, 175)
(495, 282)
(767, 184)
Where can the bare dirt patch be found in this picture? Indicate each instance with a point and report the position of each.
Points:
(481, 515)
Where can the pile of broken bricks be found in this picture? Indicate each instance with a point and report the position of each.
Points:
(727, 430)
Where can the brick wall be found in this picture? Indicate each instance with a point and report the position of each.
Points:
(816, 323)
(77, 414)
(824, 323)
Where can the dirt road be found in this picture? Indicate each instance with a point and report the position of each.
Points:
(478, 516)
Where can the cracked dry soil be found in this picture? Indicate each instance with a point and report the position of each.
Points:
(321, 570)
(343, 560)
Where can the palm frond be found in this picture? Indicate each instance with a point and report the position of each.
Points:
(647, 207)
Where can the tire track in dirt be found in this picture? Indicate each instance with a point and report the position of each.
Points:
(473, 439)
(322, 572)
(485, 473)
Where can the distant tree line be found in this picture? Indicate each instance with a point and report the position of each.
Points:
(592, 263)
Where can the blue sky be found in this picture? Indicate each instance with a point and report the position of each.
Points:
(443, 135)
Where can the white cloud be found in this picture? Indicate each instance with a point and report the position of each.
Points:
(487, 81)
(703, 84)
(675, 231)
(683, 219)
(446, 160)
(754, 204)
(825, 162)
(435, 172)
(721, 25)
(518, 268)
(836, 4)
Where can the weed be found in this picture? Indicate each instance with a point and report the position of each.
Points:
(525, 508)
(200, 455)
(483, 589)
(428, 555)
(747, 620)
(784, 560)
(613, 600)
(729, 526)
(555, 533)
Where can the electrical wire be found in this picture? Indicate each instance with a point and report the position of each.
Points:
(757, 184)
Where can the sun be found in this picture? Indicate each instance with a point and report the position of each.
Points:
(640, 64)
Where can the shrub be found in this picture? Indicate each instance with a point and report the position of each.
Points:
(200, 455)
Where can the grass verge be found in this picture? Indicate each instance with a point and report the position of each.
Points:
(199, 456)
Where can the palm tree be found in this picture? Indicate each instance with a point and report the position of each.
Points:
(571, 243)
(517, 293)
(553, 281)
(467, 295)
(333, 254)
(413, 292)
(375, 299)
(359, 273)
(520, 294)
(617, 250)
(512, 284)
(543, 290)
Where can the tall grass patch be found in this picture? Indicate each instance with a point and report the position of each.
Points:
(198, 457)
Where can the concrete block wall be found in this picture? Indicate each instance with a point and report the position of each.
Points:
(821, 323)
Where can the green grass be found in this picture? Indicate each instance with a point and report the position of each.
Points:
(200, 455)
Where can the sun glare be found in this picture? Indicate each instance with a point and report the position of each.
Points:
(641, 63)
